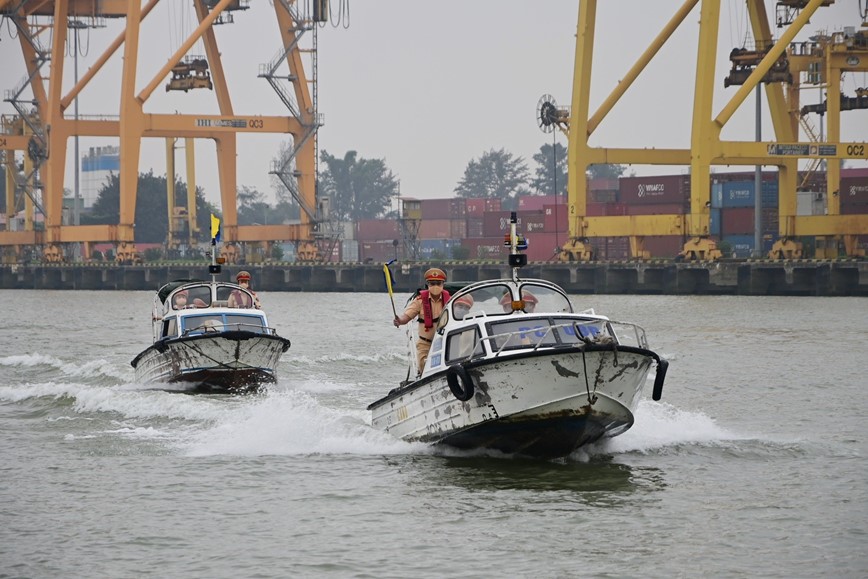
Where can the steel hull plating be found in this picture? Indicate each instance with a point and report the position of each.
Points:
(545, 403)
(230, 361)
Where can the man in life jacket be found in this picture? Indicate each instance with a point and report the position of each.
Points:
(426, 309)
(239, 299)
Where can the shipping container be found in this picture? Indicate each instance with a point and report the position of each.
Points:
(657, 209)
(853, 191)
(714, 222)
(379, 251)
(654, 189)
(556, 218)
(474, 227)
(743, 194)
(544, 246)
(741, 246)
(532, 222)
(435, 229)
(854, 209)
(433, 249)
(487, 248)
(377, 230)
(497, 223)
(663, 246)
(453, 208)
(478, 207)
(537, 202)
(736, 221)
(603, 185)
(603, 196)
(350, 251)
(740, 220)
(611, 248)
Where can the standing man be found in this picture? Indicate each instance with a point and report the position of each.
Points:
(239, 299)
(426, 309)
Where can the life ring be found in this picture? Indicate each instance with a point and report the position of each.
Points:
(460, 382)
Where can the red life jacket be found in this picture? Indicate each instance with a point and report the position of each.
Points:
(427, 315)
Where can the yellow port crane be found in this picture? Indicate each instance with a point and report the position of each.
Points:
(776, 64)
(41, 130)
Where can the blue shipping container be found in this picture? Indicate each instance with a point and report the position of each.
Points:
(741, 246)
(742, 194)
(714, 222)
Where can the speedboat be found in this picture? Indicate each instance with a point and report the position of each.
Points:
(514, 368)
(210, 336)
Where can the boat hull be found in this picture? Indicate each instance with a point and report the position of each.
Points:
(544, 403)
(224, 362)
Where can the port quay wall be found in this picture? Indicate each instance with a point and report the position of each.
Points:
(755, 277)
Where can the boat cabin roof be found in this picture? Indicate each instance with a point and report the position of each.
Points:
(192, 294)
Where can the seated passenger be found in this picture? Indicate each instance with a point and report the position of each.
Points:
(530, 302)
(462, 306)
(180, 300)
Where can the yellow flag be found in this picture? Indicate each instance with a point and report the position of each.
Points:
(215, 227)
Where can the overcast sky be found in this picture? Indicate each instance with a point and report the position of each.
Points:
(429, 86)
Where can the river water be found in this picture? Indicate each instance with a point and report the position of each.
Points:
(753, 464)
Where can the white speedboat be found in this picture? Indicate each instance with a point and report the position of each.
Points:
(514, 368)
(206, 337)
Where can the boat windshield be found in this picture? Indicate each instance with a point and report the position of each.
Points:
(544, 331)
(498, 299)
(192, 297)
(223, 323)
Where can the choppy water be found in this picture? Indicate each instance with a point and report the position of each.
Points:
(752, 465)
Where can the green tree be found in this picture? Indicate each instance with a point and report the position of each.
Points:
(151, 221)
(496, 174)
(358, 188)
(551, 170)
(605, 171)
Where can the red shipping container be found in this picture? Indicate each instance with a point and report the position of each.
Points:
(603, 196)
(474, 227)
(556, 218)
(458, 227)
(480, 206)
(603, 185)
(853, 191)
(611, 248)
(537, 202)
(475, 207)
(532, 222)
(854, 172)
(663, 245)
(736, 221)
(436, 208)
(435, 229)
(861, 209)
(544, 246)
(379, 251)
(659, 189)
(496, 223)
(740, 220)
(656, 209)
(595, 209)
(377, 229)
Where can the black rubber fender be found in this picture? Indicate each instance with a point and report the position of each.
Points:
(460, 382)
(662, 366)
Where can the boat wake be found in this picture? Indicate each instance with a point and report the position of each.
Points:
(36, 365)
